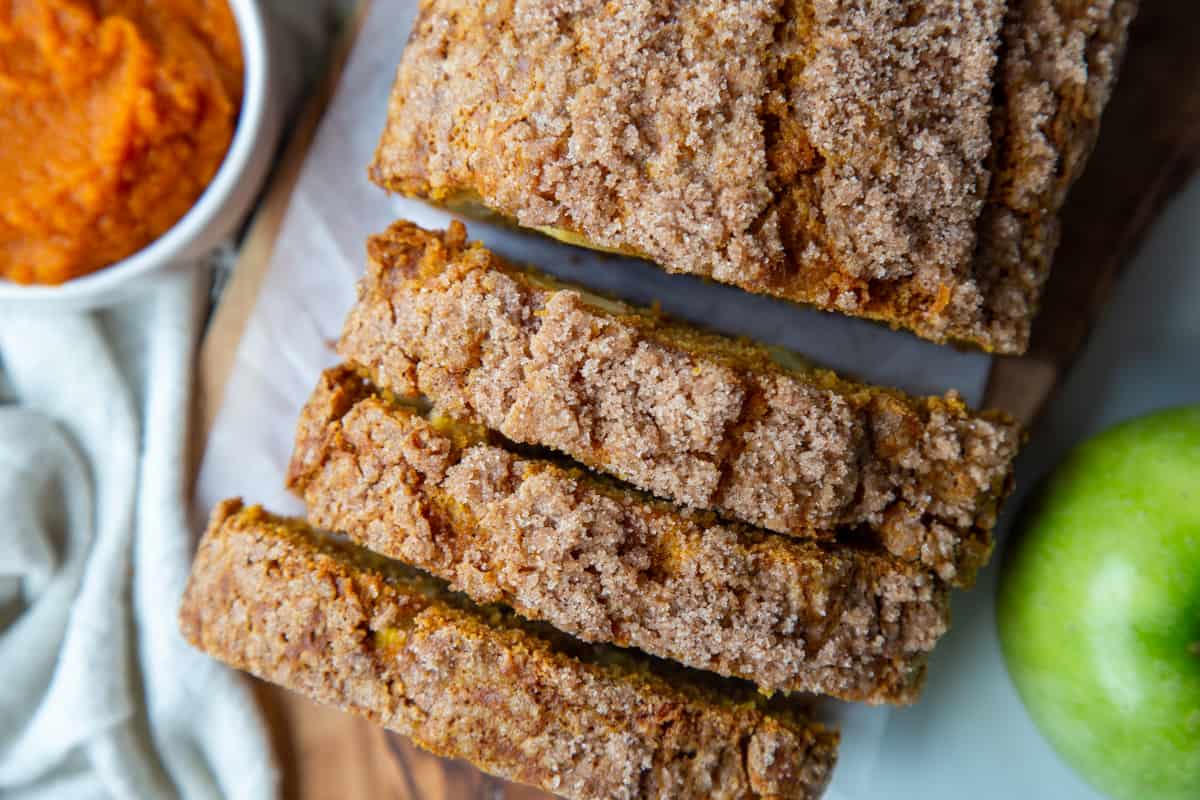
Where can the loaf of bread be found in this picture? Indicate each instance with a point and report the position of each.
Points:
(896, 160)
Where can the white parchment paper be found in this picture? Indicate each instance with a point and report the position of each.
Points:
(309, 287)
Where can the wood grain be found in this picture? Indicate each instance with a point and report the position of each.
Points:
(1149, 145)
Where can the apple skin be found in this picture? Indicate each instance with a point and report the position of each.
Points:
(1099, 609)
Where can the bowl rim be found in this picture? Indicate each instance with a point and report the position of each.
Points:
(167, 247)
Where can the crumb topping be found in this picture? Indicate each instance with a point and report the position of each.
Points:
(895, 99)
(634, 122)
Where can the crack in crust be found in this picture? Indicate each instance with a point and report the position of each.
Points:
(705, 421)
(863, 156)
(274, 598)
(607, 564)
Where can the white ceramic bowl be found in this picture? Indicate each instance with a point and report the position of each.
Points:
(215, 213)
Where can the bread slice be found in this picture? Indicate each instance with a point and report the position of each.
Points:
(607, 564)
(346, 628)
(705, 421)
(900, 161)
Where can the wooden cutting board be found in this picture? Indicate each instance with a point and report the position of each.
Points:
(1149, 146)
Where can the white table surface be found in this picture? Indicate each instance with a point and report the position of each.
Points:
(970, 737)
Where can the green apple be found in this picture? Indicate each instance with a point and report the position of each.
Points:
(1099, 609)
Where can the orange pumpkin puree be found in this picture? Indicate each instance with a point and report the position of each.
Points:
(114, 116)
